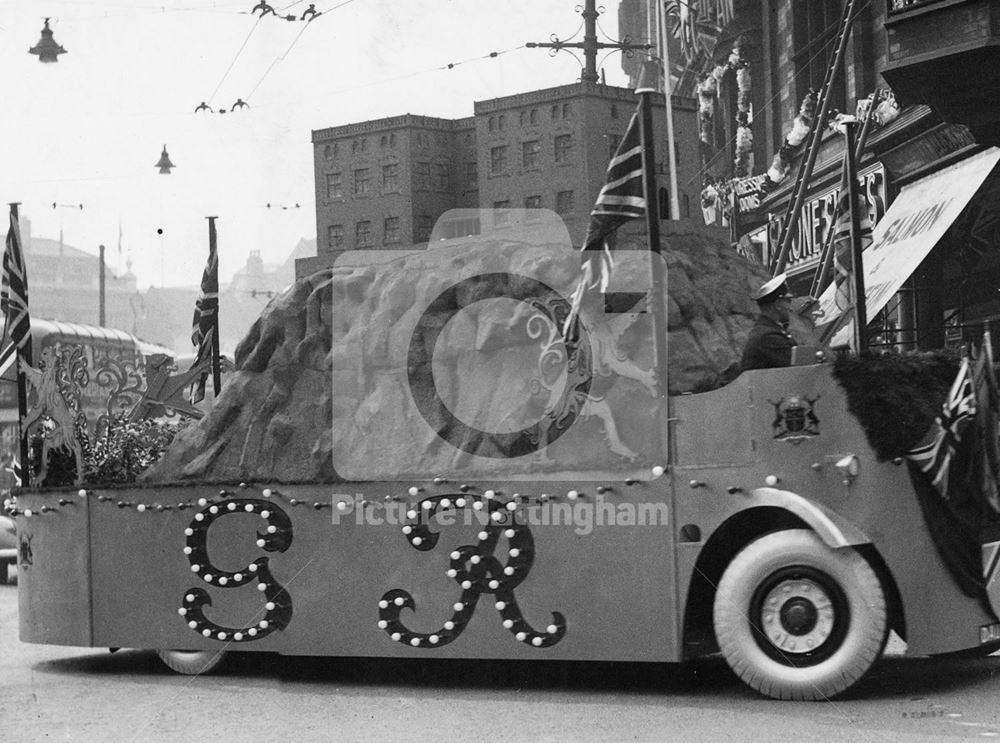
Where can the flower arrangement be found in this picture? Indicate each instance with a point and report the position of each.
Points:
(123, 451)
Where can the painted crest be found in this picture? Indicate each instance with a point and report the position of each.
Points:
(795, 418)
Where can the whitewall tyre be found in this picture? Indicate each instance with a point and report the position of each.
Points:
(798, 620)
(192, 662)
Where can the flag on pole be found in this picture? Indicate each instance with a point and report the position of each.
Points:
(205, 325)
(14, 300)
(934, 454)
(842, 249)
(621, 199)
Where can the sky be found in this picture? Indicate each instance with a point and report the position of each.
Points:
(90, 128)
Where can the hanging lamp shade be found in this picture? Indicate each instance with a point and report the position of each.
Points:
(164, 163)
(47, 49)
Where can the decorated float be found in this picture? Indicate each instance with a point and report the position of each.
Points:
(414, 459)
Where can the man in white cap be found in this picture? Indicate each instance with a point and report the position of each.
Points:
(770, 344)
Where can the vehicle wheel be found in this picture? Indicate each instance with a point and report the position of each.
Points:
(798, 620)
(192, 662)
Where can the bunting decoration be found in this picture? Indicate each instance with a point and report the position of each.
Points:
(205, 324)
(621, 199)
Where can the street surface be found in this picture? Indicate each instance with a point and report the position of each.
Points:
(50, 693)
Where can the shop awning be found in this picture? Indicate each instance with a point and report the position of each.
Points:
(911, 227)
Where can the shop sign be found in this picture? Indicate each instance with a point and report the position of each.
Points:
(817, 218)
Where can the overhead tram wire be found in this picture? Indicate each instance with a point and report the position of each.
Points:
(280, 57)
(233, 62)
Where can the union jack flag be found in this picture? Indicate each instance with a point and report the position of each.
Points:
(205, 324)
(934, 454)
(842, 249)
(621, 199)
(14, 300)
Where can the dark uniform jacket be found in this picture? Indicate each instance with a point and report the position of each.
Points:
(768, 346)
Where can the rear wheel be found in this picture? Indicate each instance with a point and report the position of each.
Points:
(798, 620)
(192, 662)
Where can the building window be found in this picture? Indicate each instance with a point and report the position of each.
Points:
(384, 142)
(500, 122)
(555, 111)
(422, 171)
(493, 123)
(532, 202)
(563, 147)
(815, 32)
(442, 177)
(362, 182)
(565, 110)
(354, 145)
(392, 140)
(529, 153)
(334, 186)
(472, 174)
(422, 233)
(335, 236)
(364, 144)
(524, 118)
(498, 159)
(533, 116)
(614, 111)
(564, 203)
(390, 178)
(390, 230)
(363, 234)
(327, 152)
(613, 141)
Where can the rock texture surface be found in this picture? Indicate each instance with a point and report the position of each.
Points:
(321, 384)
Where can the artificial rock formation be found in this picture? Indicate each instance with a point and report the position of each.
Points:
(324, 386)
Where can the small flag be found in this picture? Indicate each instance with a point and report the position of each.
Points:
(933, 456)
(621, 199)
(842, 248)
(14, 300)
(205, 324)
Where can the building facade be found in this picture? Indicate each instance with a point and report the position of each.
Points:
(927, 167)
(382, 184)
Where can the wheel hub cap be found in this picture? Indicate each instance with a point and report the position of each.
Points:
(797, 616)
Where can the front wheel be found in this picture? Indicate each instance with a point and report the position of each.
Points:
(798, 620)
(192, 662)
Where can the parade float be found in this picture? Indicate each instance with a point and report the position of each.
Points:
(411, 460)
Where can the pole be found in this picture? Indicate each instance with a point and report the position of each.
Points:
(645, 90)
(216, 367)
(857, 262)
(791, 221)
(101, 287)
(663, 38)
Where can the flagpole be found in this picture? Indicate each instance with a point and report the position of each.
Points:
(22, 387)
(661, 22)
(857, 262)
(216, 370)
(645, 89)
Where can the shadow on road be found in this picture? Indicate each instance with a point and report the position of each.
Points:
(891, 679)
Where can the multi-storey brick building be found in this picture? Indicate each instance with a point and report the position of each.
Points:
(383, 184)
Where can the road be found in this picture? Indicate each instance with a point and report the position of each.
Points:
(50, 693)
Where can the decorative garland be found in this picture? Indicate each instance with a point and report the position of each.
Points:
(708, 91)
(782, 161)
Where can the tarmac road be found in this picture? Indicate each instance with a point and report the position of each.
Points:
(50, 693)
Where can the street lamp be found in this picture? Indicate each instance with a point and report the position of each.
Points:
(47, 49)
